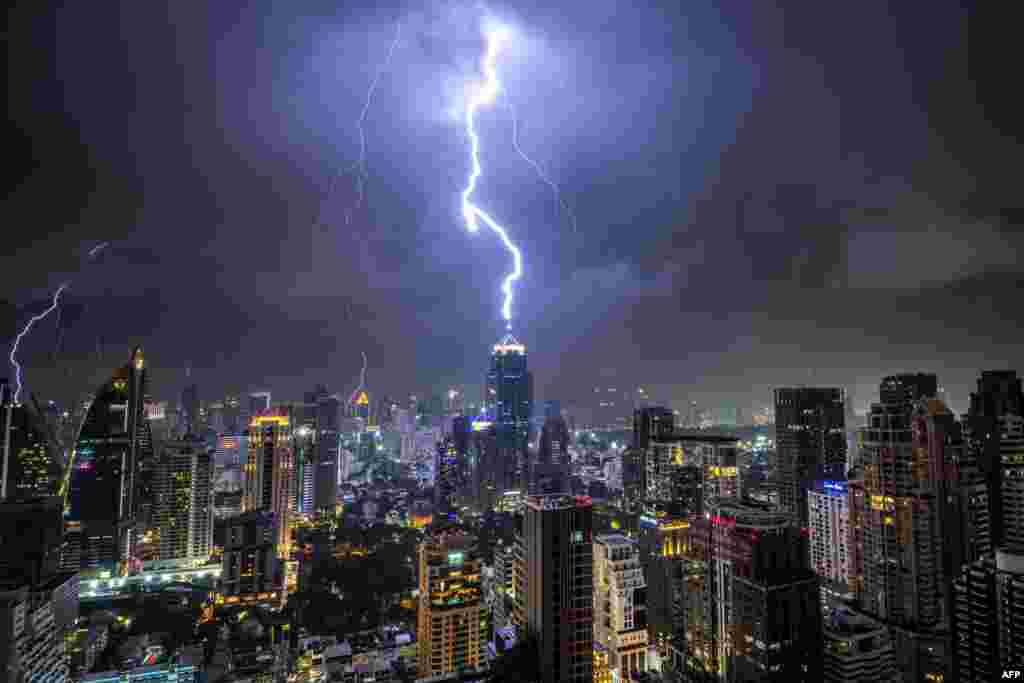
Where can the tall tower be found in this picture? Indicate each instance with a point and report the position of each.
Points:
(510, 402)
(550, 473)
(758, 588)
(184, 501)
(907, 553)
(452, 615)
(810, 442)
(620, 604)
(269, 476)
(559, 585)
(100, 496)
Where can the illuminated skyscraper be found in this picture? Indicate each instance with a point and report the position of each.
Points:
(620, 604)
(269, 475)
(452, 615)
(829, 526)
(30, 464)
(510, 400)
(184, 501)
(810, 442)
(101, 494)
(557, 569)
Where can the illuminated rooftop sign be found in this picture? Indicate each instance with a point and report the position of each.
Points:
(363, 399)
(481, 425)
(261, 420)
(837, 486)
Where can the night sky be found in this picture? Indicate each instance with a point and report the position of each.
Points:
(819, 195)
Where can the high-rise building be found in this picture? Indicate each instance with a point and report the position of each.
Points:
(28, 449)
(32, 535)
(452, 616)
(620, 604)
(989, 592)
(31, 648)
(304, 448)
(510, 401)
(328, 450)
(102, 496)
(451, 465)
(810, 443)
(184, 501)
(269, 475)
(190, 407)
(251, 571)
(858, 649)
(559, 585)
(829, 528)
(911, 536)
(761, 608)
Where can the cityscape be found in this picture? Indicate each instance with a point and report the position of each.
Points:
(472, 419)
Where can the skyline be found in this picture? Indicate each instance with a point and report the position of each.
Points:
(754, 194)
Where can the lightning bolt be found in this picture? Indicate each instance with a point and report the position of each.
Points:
(362, 380)
(485, 96)
(98, 248)
(359, 167)
(21, 335)
(555, 189)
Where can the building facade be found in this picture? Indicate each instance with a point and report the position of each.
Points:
(251, 571)
(858, 649)
(810, 442)
(184, 501)
(620, 604)
(269, 476)
(559, 585)
(101, 495)
(453, 627)
(829, 526)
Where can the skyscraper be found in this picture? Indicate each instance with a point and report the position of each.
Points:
(761, 606)
(620, 604)
(251, 570)
(810, 443)
(510, 400)
(184, 501)
(989, 592)
(101, 495)
(452, 616)
(327, 425)
(559, 585)
(269, 476)
(190, 410)
(28, 450)
(907, 553)
(829, 526)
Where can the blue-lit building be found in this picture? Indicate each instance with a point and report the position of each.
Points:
(103, 485)
(509, 402)
(179, 672)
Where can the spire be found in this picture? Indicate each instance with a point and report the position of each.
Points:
(509, 344)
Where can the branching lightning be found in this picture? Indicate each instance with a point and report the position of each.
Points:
(540, 171)
(98, 248)
(21, 335)
(484, 96)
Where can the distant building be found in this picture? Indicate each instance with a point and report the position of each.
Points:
(559, 585)
(620, 605)
(183, 508)
(810, 443)
(453, 627)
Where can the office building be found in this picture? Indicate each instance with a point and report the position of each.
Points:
(449, 470)
(251, 571)
(103, 496)
(190, 423)
(558, 582)
(911, 540)
(858, 649)
(620, 604)
(184, 501)
(761, 609)
(829, 528)
(810, 443)
(453, 628)
(304, 454)
(509, 400)
(269, 474)
(328, 450)
(28, 450)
